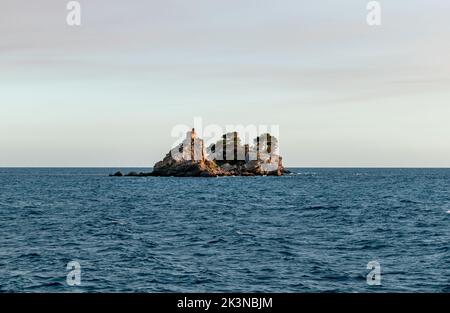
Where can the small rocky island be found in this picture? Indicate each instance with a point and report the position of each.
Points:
(227, 157)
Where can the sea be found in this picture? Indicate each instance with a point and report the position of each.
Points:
(315, 230)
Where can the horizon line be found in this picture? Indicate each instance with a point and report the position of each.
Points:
(306, 167)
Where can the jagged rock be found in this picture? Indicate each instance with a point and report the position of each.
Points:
(225, 158)
(118, 174)
(227, 167)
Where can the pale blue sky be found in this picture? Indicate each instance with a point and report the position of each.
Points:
(108, 93)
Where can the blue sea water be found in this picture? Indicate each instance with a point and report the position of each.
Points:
(314, 231)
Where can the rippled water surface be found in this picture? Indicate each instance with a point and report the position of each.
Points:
(311, 232)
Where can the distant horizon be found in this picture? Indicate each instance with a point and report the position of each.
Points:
(287, 166)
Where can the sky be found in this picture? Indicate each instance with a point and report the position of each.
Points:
(110, 91)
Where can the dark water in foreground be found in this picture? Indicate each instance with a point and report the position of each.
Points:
(311, 232)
